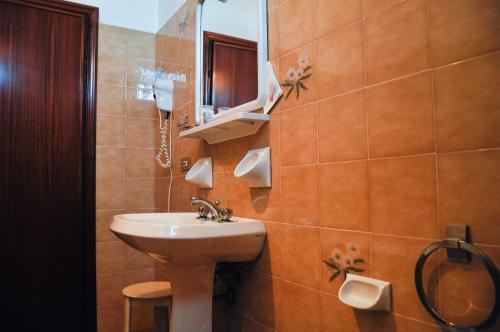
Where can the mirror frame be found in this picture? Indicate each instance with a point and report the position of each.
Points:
(262, 58)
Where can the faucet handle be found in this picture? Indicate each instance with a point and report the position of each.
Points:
(203, 212)
(217, 203)
(226, 214)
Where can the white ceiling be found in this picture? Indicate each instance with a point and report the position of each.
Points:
(142, 15)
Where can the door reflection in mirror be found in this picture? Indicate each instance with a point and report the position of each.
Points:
(230, 41)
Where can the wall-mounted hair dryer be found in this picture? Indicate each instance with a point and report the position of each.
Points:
(163, 89)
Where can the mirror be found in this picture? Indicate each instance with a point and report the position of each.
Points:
(231, 49)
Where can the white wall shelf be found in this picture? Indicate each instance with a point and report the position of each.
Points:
(226, 128)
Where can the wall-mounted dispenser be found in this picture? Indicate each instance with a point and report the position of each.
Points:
(365, 293)
(255, 168)
(163, 89)
(201, 173)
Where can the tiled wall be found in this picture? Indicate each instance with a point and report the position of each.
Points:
(128, 178)
(397, 135)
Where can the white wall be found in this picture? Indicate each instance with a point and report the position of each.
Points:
(237, 18)
(166, 9)
(142, 15)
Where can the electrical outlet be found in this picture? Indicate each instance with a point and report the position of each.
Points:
(185, 164)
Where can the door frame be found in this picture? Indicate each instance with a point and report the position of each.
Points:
(90, 16)
(210, 39)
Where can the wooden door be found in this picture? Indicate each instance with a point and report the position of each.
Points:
(47, 166)
(230, 70)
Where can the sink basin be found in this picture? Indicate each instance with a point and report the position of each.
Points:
(189, 248)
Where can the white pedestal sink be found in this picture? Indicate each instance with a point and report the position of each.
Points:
(190, 248)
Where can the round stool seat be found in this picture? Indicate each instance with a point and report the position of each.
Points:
(148, 290)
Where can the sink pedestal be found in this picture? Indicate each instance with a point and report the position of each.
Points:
(189, 249)
(192, 292)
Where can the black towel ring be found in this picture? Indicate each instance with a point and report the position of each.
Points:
(483, 258)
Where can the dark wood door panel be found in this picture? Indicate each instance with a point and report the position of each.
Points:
(47, 61)
(230, 70)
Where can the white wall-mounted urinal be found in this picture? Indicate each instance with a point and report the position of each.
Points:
(201, 173)
(365, 293)
(255, 168)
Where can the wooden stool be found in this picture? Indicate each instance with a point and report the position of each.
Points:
(155, 293)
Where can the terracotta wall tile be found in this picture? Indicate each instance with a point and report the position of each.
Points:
(109, 194)
(462, 29)
(110, 318)
(403, 196)
(103, 220)
(161, 188)
(139, 193)
(112, 70)
(340, 61)
(467, 99)
(385, 322)
(273, 32)
(342, 128)
(396, 41)
(266, 202)
(136, 260)
(141, 163)
(343, 196)
(110, 100)
(337, 316)
(110, 257)
(245, 301)
(469, 192)
(135, 69)
(269, 136)
(289, 66)
(112, 40)
(301, 255)
(268, 301)
(181, 192)
(136, 106)
(110, 131)
(225, 319)
(299, 146)
(219, 192)
(182, 93)
(393, 260)
(109, 287)
(299, 194)
(270, 261)
(295, 23)
(372, 6)
(239, 196)
(330, 15)
(400, 117)
(141, 44)
(343, 247)
(302, 308)
(109, 163)
(142, 133)
(227, 155)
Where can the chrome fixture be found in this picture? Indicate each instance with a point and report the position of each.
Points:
(459, 250)
(216, 213)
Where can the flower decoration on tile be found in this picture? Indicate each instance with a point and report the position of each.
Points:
(296, 77)
(183, 22)
(183, 121)
(341, 263)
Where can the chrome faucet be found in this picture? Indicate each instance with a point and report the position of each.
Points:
(218, 214)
